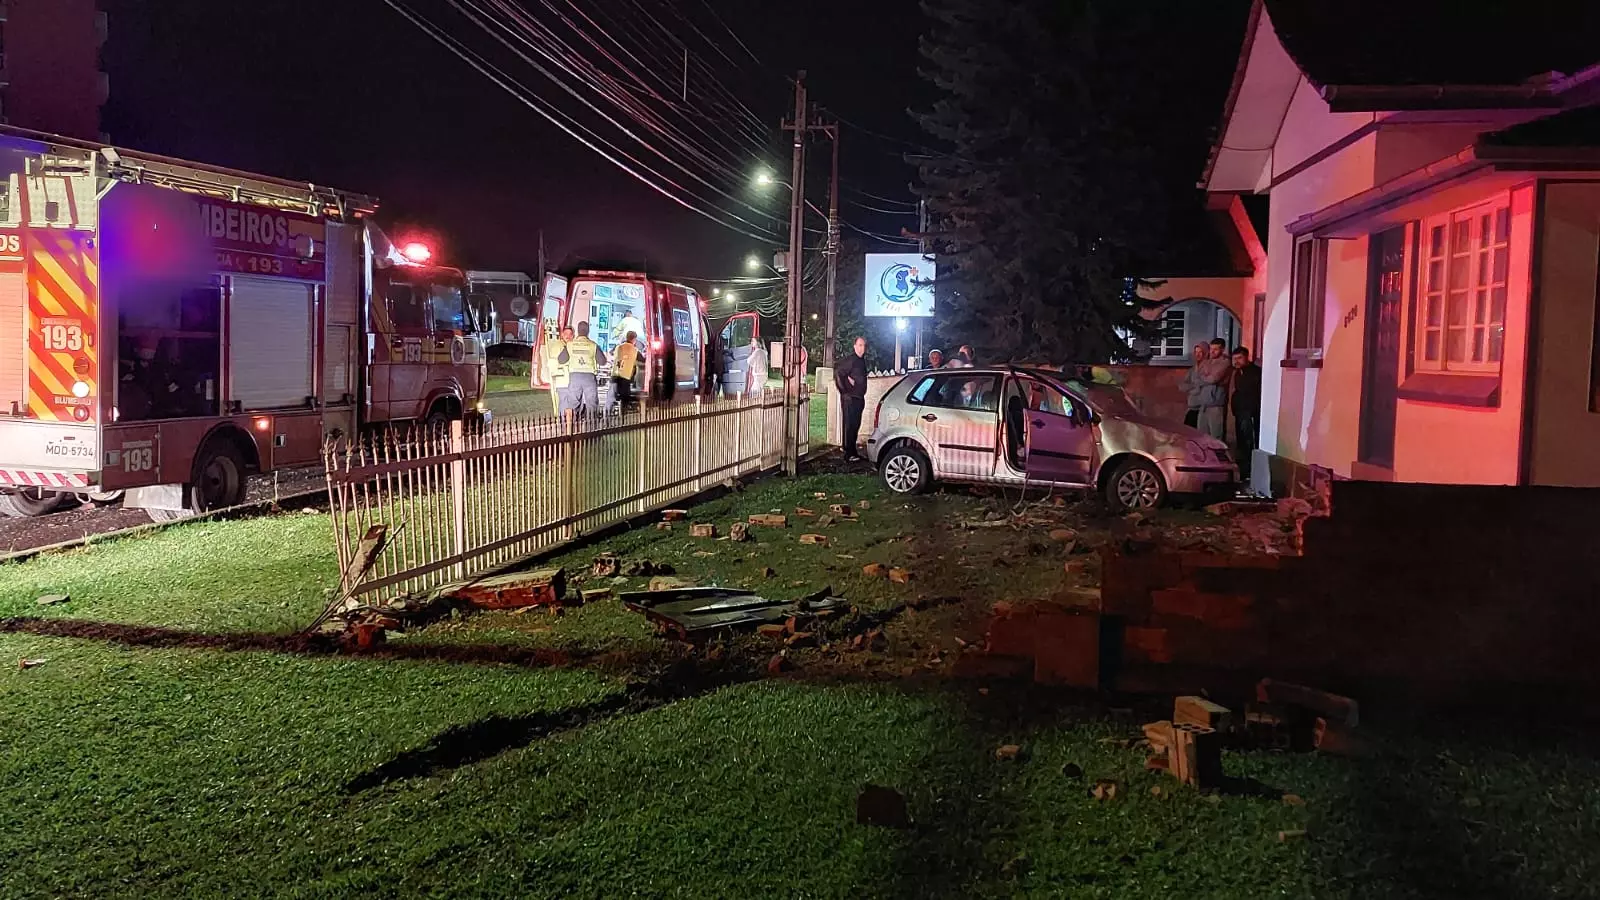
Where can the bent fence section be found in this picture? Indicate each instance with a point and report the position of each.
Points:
(456, 504)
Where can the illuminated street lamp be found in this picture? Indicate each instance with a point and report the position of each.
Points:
(899, 324)
(716, 292)
(751, 263)
(764, 178)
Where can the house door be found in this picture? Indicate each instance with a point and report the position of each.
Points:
(1381, 371)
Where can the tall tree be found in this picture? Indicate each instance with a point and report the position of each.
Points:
(1049, 191)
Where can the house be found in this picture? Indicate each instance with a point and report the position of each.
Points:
(1433, 172)
(1195, 308)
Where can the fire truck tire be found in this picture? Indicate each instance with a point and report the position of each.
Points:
(30, 502)
(439, 417)
(219, 477)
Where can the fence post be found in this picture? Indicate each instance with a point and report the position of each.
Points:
(699, 460)
(569, 484)
(458, 492)
(644, 444)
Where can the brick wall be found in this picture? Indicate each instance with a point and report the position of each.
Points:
(1446, 589)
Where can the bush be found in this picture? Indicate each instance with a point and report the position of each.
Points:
(516, 367)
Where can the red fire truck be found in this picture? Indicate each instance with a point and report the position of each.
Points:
(168, 328)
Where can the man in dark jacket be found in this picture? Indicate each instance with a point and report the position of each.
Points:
(851, 379)
(1246, 407)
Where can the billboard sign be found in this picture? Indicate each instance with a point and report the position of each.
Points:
(899, 284)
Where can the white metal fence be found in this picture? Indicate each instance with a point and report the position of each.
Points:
(460, 503)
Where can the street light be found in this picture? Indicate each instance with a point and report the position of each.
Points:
(716, 292)
(764, 178)
(899, 324)
(751, 263)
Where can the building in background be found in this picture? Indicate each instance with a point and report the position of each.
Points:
(1431, 309)
(50, 75)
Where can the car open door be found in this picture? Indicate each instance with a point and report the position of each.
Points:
(1060, 443)
(737, 333)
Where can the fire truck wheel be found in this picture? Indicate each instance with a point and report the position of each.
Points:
(219, 478)
(29, 502)
(438, 418)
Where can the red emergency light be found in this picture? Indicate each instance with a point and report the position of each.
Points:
(417, 252)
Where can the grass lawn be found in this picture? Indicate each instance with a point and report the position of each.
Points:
(141, 772)
(499, 384)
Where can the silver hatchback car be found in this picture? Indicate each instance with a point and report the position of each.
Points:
(1015, 426)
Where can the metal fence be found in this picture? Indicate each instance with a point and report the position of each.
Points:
(460, 503)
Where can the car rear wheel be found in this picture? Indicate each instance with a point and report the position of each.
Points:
(29, 502)
(1135, 485)
(905, 469)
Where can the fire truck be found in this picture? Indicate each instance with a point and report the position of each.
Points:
(168, 329)
(669, 319)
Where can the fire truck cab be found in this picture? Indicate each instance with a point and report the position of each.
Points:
(667, 319)
(169, 328)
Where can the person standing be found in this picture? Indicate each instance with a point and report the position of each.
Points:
(935, 359)
(851, 380)
(556, 371)
(583, 358)
(755, 368)
(624, 364)
(1246, 408)
(1192, 384)
(1214, 375)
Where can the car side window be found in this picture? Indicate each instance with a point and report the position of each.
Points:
(958, 391)
(1048, 399)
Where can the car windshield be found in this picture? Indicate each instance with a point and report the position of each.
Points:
(1107, 399)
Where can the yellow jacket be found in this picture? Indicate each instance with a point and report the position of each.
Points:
(554, 369)
(583, 356)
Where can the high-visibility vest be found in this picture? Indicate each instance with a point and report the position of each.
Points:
(557, 370)
(582, 356)
(627, 356)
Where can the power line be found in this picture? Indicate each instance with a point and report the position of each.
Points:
(610, 152)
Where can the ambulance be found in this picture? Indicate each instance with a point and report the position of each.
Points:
(668, 319)
(168, 329)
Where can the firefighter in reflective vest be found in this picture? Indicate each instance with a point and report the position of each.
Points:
(556, 371)
(583, 359)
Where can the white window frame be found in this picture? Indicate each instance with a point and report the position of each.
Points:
(1168, 346)
(1308, 288)
(1469, 260)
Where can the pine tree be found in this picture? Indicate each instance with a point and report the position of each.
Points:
(1045, 198)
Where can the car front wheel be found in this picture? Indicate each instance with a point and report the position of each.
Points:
(906, 470)
(1135, 485)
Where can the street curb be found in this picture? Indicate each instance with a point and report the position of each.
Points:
(253, 509)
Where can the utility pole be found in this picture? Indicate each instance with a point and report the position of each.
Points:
(833, 247)
(792, 374)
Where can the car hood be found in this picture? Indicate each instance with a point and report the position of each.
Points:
(1152, 435)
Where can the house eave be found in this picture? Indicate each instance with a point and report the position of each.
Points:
(1403, 98)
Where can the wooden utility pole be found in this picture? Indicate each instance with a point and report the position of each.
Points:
(792, 373)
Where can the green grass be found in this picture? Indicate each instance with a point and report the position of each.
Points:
(498, 384)
(266, 574)
(179, 773)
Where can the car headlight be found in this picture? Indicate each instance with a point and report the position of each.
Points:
(1197, 453)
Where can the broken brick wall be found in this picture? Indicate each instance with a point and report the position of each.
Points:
(1447, 588)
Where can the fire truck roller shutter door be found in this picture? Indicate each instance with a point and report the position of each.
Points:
(270, 342)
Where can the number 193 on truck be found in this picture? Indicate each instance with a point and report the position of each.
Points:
(169, 328)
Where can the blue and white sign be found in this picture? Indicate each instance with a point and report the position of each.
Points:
(899, 284)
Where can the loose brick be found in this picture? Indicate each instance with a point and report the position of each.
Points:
(1159, 734)
(739, 532)
(1193, 710)
(821, 539)
(770, 521)
(674, 515)
(841, 510)
(899, 575)
(874, 570)
(1333, 707)
(703, 530)
(1196, 756)
(545, 587)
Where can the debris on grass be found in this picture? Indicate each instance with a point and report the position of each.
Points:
(842, 510)
(668, 583)
(605, 565)
(739, 532)
(1195, 710)
(863, 504)
(824, 521)
(882, 807)
(769, 520)
(779, 663)
(1007, 752)
(541, 587)
(703, 530)
(674, 515)
(663, 526)
(899, 575)
(53, 599)
(772, 630)
(1064, 536)
(1292, 834)
(769, 572)
(1294, 800)
(1105, 789)
(819, 539)
(594, 595)
(33, 663)
(803, 512)
(1159, 734)
(874, 570)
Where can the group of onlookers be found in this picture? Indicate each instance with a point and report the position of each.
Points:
(1219, 382)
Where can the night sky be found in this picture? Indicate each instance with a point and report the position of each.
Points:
(348, 93)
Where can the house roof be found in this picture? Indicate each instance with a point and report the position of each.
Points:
(1435, 42)
(1572, 128)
